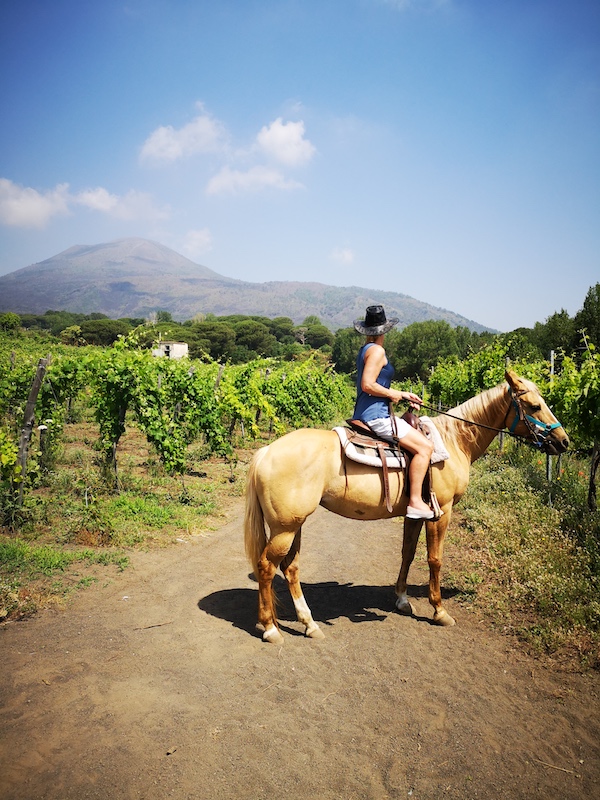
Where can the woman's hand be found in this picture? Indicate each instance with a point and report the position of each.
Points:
(410, 397)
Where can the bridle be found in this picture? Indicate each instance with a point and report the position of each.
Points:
(538, 431)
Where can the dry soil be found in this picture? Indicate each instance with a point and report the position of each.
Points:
(154, 684)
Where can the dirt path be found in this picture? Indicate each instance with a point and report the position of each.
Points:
(155, 686)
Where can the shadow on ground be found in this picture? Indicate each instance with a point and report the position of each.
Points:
(328, 601)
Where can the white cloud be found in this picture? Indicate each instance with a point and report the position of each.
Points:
(133, 205)
(231, 181)
(281, 143)
(204, 134)
(197, 242)
(140, 206)
(285, 142)
(23, 207)
(98, 199)
(343, 255)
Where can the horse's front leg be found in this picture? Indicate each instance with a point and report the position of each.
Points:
(412, 529)
(291, 569)
(436, 532)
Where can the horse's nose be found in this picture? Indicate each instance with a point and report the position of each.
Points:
(563, 443)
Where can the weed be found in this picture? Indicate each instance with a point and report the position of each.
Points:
(17, 556)
(534, 570)
(84, 583)
(28, 574)
(148, 510)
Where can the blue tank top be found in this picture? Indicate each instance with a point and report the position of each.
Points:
(368, 407)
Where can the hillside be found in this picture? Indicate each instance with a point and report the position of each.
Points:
(133, 277)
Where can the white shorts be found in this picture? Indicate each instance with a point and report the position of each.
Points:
(383, 427)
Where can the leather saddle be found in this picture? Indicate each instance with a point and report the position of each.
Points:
(385, 455)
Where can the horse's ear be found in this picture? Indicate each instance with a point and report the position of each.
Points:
(515, 382)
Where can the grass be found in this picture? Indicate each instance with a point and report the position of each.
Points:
(532, 568)
(26, 568)
(78, 526)
(18, 557)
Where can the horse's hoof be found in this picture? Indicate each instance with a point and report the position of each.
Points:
(315, 633)
(272, 636)
(443, 618)
(405, 607)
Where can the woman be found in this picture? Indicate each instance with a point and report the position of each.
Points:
(373, 403)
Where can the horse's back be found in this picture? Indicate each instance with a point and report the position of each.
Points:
(301, 446)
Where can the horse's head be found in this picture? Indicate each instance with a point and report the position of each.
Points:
(530, 417)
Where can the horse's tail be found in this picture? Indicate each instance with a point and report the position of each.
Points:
(255, 536)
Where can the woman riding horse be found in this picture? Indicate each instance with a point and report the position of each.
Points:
(374, 397)
(295, 474)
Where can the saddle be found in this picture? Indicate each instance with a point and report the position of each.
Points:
(368, 448)
(360, 444)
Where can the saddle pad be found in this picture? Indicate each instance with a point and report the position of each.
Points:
(369, 455)
(431, 432)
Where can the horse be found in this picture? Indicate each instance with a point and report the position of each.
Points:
(289, 478)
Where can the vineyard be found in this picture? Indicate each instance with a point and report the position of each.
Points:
(174, 403)
(195, 412)
(573, 392)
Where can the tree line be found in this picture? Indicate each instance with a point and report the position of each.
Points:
(234, 338)
(237, 339)
(415, 350)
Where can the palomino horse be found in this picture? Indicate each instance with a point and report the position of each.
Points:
(289, 478)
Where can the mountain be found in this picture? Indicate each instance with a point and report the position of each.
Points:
(133, 277)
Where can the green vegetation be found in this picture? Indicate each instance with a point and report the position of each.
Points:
(75, 529)
(18, 556)
(134, 450)
(125, 445)
(233, 338)
(534, 571)
(28, 573)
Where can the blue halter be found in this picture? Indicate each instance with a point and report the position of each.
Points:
(538, 430)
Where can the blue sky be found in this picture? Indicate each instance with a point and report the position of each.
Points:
(446, 149)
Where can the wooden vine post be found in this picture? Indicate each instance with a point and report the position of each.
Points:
(29, 419)
(592, 504)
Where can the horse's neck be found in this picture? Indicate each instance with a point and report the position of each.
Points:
(487, 409)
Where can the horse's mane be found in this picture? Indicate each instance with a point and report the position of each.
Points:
(480, 408)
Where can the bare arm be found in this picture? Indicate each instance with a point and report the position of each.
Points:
(374, 361)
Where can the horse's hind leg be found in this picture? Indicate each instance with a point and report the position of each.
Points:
(412, 529)
(291, 571)
(276, 550)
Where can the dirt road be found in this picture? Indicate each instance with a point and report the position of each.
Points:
(154, 685)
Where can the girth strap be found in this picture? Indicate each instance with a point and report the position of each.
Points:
(386, 477)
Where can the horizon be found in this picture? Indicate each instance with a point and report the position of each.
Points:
(129, 255)
(316, 282)
(442, 149)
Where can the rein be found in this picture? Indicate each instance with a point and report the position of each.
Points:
(538, 437)
(469, 421)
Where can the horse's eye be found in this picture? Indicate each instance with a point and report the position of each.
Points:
(535, 409)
